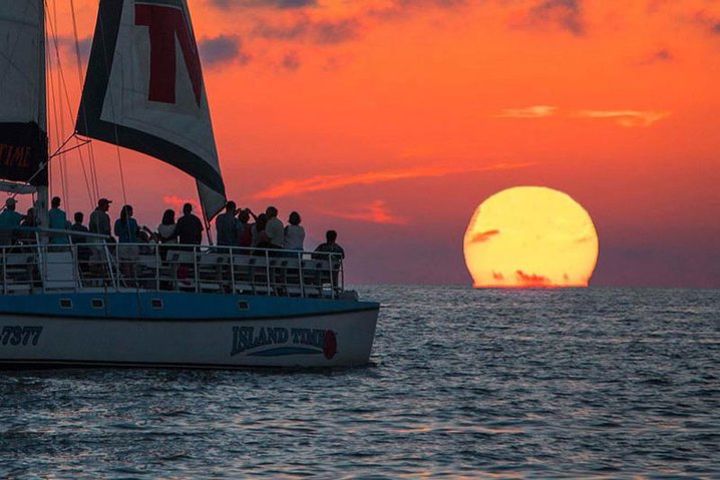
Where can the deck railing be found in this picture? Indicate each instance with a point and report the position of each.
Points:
(41, 267)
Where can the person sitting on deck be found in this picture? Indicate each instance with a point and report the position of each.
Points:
(275, 229)
(100, 220)
(189, 227)
(330, 248)
(227, 226)
(29, 221)
(57, 220)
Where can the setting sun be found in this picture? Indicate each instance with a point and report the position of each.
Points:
(531, 237)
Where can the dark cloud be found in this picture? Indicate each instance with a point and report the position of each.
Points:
(659, 56)
(291, 61)
(564, 13)
(399, 9)
(68, 47)
(716, 28)
(336, 32)
(484, 236)
(320, 32)
(282, 4)
(532, 280)
(222, 49)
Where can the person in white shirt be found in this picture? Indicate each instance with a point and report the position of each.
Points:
(294, 233)
(274, 229)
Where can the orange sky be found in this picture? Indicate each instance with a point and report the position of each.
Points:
(391, 120)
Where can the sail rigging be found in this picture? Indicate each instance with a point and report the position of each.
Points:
(144, 90)
(23, 122)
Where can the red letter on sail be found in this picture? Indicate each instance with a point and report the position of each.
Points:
(165, 24)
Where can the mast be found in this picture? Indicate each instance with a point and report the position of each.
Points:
(41, 203)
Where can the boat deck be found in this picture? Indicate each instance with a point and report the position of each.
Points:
(83, 267)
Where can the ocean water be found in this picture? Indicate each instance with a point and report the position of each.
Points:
(589, 383)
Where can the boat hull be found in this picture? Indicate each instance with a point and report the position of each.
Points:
(325, 339)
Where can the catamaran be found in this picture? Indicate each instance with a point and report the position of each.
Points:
(72, 299)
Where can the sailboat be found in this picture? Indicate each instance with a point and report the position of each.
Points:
(86, 301)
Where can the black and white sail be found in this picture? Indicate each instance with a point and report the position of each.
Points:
(23, 122)
(145, 91)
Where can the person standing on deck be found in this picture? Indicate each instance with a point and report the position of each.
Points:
(79, 227)
(126, 227)
(9, 218)
(57, 221)
(100, 220)
(294, 233)
(245, 228)
(9, 221)
(189, 227)
(275, 229)
(227, 226)
(330, 248)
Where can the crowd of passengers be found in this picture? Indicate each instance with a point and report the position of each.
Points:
(236, 227)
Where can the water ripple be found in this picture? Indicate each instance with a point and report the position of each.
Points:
(464, 384)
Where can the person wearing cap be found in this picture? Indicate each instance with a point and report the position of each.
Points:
(99, 218)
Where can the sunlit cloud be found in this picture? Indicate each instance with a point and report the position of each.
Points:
(177, 202)
(535, 111)
(321, 183)
(626, 118)
(376, 212)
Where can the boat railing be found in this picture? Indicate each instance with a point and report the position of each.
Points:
(82, 262)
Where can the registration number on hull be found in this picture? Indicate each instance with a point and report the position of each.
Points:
(16, 335)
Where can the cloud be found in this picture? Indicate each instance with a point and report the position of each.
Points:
(222, 49)
(532, 280)
(281, 4)
(566, 14)
(484, 236)
(659, 56)
(69, 48)
(626, 118)
(291, 61)
(178, 202)
(398, 9)
(323, 32)
(535, 111)
(376, 212)
(321, 183)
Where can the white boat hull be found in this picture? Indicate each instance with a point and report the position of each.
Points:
(327, 340)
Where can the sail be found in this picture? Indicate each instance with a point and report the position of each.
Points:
(145, 91)
(23, 130)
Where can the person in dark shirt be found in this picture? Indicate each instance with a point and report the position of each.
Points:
(79, 227)
(227, 226)
(330, 247)
(189, 228)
